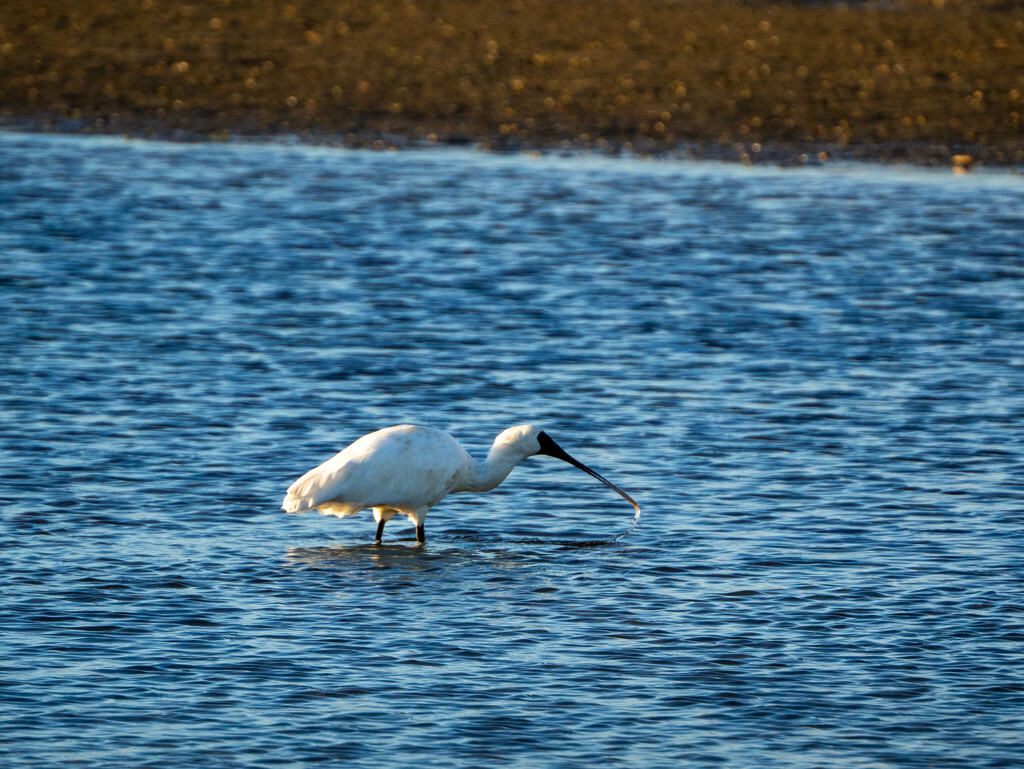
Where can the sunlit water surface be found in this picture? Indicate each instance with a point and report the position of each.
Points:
(812, 381)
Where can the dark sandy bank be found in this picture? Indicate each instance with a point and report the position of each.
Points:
(914, 81)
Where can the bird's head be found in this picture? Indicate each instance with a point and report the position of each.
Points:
(523, 440)
(528, 440)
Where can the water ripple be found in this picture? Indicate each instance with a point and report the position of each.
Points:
(812, 381)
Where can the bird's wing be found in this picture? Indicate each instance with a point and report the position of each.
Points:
(402, 466)
(415, 469)
(332, 481)
(320, 485)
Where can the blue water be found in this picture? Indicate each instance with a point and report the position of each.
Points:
(811, 380)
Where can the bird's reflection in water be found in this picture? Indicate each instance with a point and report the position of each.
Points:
(406, 555)
(409, 555)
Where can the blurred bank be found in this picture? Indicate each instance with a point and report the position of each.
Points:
(789, 82)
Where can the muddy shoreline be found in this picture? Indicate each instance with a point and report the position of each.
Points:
(796, 154)
(910, 82)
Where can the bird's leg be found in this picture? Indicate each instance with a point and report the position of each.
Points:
(382, 515)
(416, 517)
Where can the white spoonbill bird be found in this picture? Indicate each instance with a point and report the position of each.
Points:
(406, 470)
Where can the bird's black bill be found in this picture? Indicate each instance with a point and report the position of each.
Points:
(552, 449)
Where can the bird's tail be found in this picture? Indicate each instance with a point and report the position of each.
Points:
(322, 490)
(293, 504)
(298, 498)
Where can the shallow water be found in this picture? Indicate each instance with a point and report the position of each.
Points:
(812, 382)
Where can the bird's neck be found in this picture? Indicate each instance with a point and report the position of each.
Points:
(484, 476)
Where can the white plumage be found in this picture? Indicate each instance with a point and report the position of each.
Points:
(407, 469)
